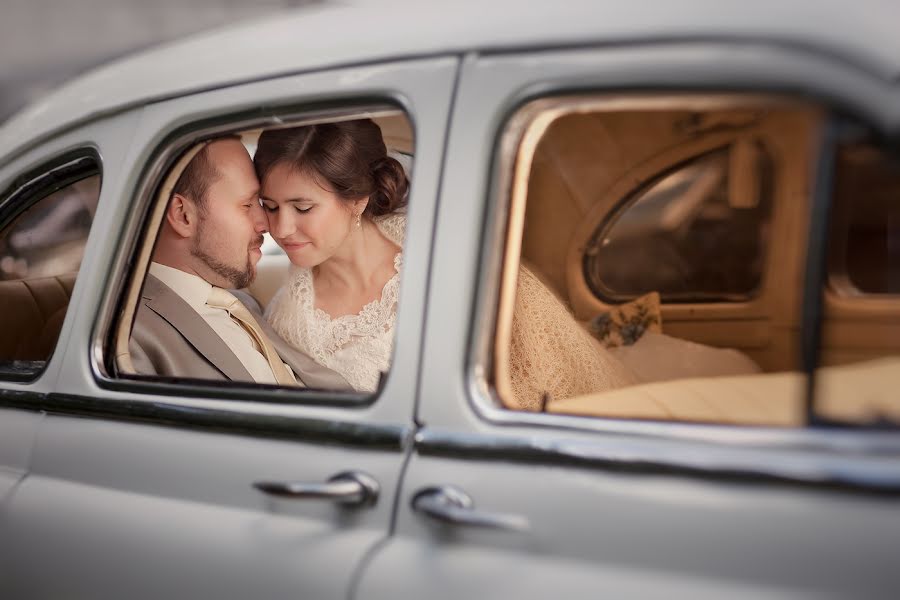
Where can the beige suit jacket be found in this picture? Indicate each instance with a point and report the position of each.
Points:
(170, 339)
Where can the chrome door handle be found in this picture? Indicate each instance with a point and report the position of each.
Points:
(351, 488)
(451, 505)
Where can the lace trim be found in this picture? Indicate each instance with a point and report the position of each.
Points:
(357, 346)
(333, 334)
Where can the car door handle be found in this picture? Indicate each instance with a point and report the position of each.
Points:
(350, 488)
(451, 505)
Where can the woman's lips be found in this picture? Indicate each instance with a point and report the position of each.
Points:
(294, 245)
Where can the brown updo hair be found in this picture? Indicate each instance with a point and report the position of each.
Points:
(350, 156)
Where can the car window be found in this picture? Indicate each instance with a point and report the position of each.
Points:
(865, 238)
(47, 221)
(860, 346)
(655, 259)
(255, 255)
(690, 233)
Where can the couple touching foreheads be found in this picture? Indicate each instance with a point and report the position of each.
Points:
(333, 199)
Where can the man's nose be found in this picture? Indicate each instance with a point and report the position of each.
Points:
(260, 223)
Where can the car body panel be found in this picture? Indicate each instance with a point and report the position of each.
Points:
(18, 429)
(128, 510)
(595, 533)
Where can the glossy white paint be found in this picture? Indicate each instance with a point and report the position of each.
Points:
(330, 33)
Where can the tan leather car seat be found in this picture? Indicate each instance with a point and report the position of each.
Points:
(31, 315)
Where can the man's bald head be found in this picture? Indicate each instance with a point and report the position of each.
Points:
(199, 175)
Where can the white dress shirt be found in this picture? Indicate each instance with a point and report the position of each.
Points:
(194, 290)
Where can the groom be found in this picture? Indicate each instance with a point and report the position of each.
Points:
(189, 322)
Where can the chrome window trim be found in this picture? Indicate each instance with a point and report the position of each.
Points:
(74, 164)
(873, 442)
(366, 436)
(164, 156)
(637, 456)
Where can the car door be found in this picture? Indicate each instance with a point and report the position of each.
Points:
(144, 489)
(52, 189)
(499, 503)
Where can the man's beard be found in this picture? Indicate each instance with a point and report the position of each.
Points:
(236, 278)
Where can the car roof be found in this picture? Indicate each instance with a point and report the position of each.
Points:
(331, 33)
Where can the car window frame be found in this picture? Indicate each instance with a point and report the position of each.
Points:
(31, 187)
(516, 140)
(165, 155)
(484, 395)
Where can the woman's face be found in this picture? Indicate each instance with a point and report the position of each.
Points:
(309, 222)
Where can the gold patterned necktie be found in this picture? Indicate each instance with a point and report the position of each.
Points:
(221, 298)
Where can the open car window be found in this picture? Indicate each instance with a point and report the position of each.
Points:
(235, 285)
(656, 264)
(655, 259)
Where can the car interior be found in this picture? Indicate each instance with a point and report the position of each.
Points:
(694, 210)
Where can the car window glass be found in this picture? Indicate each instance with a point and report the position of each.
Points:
(41, 250)
(265, 216)
(865, 244)
(660, 269)
(704, 241)
(860, 347)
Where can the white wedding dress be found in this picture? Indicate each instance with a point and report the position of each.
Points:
(356, 346)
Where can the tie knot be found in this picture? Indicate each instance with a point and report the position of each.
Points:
(221, 298)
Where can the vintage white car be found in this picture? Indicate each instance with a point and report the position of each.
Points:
(705, 195)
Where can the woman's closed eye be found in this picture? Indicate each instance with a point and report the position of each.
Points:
(302, 209)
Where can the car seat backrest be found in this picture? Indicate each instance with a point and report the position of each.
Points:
(31, 315)
(271, 273)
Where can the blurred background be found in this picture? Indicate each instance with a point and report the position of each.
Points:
(43, 43)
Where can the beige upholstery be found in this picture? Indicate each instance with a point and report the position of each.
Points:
(271, 272)
(858, 393)
(31, 315)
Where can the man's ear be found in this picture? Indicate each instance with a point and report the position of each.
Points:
(182, 215)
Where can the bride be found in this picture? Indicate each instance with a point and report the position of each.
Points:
(335, 203)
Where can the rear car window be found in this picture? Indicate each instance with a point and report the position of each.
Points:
(41, 247)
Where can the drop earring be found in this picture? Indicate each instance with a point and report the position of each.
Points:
(359, 220)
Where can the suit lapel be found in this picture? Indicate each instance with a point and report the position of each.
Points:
(308, 372)
(159, 298)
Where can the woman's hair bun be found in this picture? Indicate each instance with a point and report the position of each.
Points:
(391, 187)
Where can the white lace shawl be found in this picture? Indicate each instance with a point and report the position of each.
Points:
(551, 354)
(356, 346)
